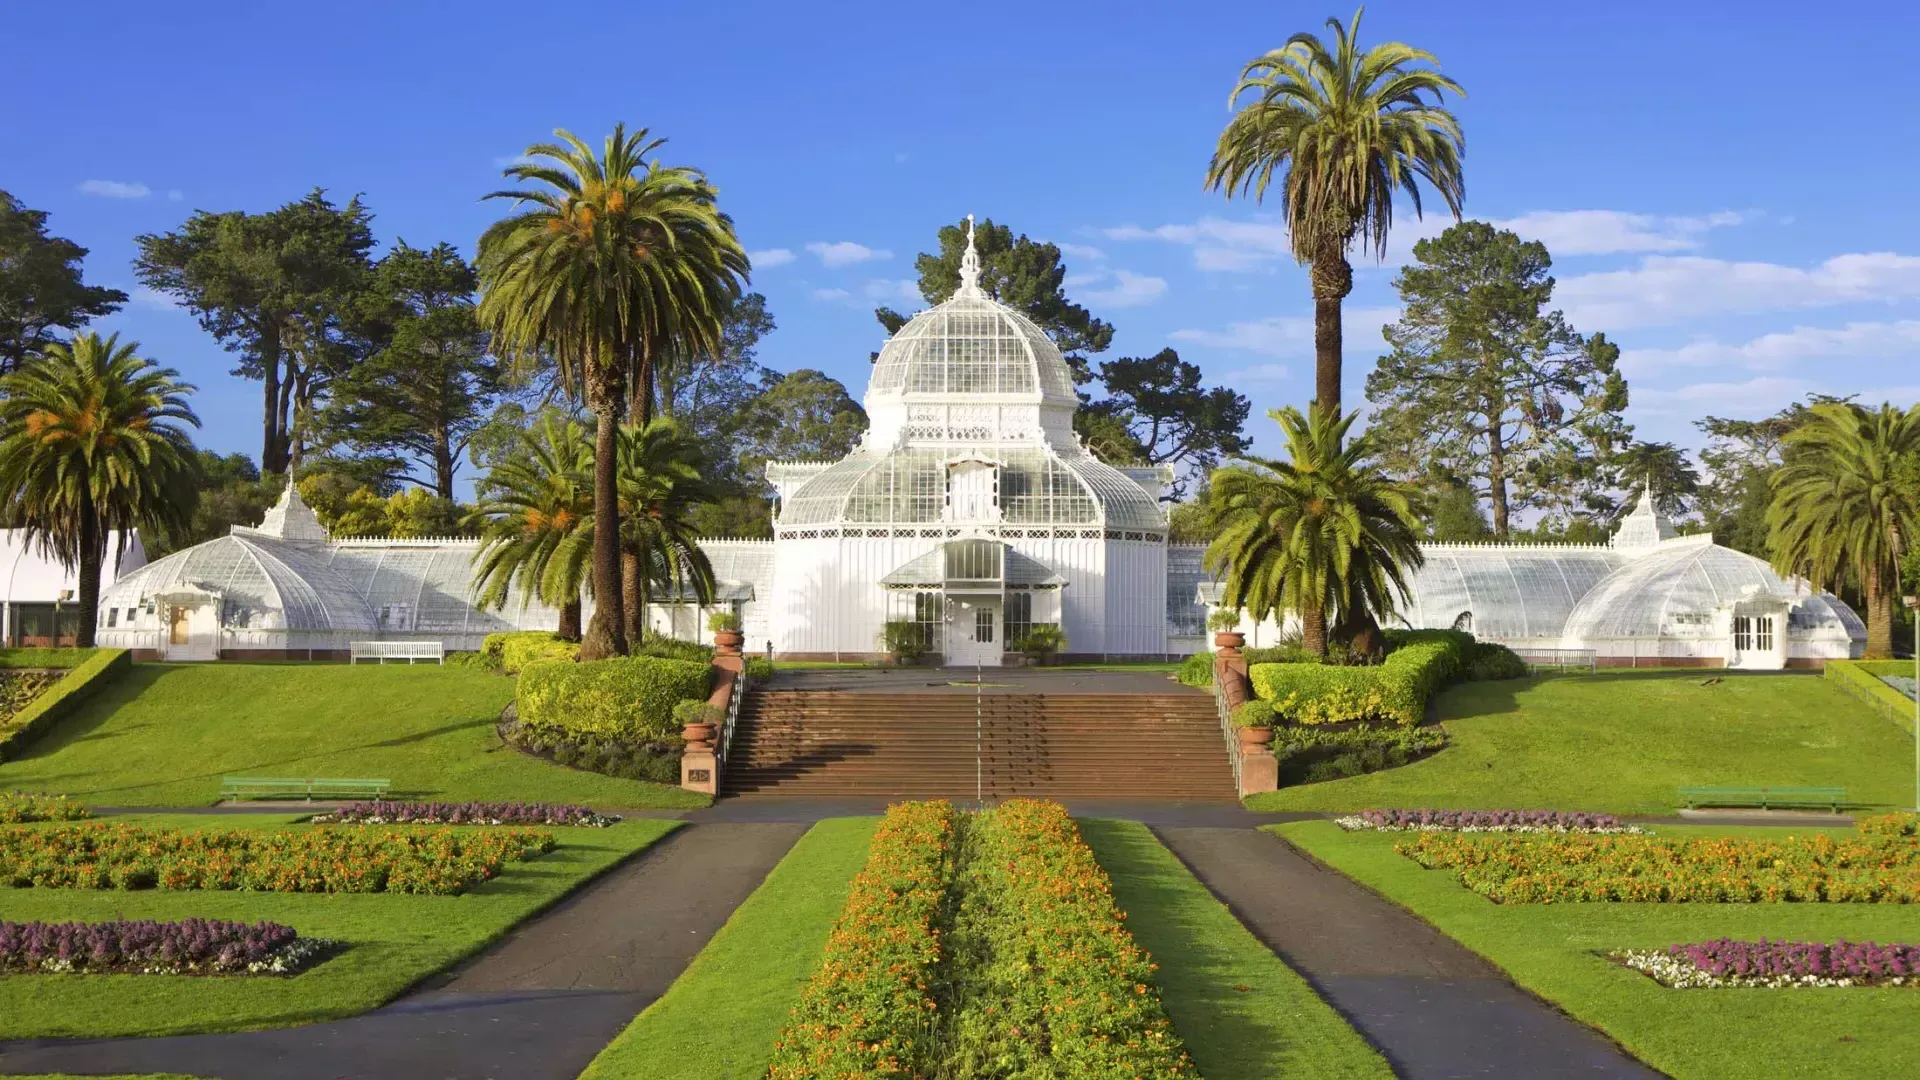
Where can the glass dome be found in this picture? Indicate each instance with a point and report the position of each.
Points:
(1513, 592)
(1675, 590)
(909, 486)
(972, 346)
(263, 583)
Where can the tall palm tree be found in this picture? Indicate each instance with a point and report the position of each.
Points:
(612, 262)
(535, 515)
(1839, 510)
(1346, 130)
(96, 441)
(1325, 533)
(662, 484)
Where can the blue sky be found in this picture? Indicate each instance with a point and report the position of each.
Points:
(1724, 186)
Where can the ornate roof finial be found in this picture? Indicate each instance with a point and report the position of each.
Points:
(970, 263)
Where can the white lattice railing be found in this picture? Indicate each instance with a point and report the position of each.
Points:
(725, 739)
(1227, 729)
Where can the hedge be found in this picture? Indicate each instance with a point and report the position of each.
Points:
(629, 698)
(1397, 689)
(43, 658)
(1861, 679)
(59, 702)
(510, 652)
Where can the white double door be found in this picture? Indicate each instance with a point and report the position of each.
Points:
(973, 637)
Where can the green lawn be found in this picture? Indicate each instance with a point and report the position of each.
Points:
(1624, 742)
(720, 1018)
(164, 734)
(1552, 950)
(1243, 1013)
(393, 942)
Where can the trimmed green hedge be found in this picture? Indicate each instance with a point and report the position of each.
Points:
(628, 698)
(1861, 678)
(1397, 689)
(510, 652)
(44, 658)
(60, 700)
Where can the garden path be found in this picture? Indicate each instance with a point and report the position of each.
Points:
(1432, 1007)
(537, 1006)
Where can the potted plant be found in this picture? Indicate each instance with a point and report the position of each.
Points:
(1225, 625)
(1041, 643)
(699, 720)
(904, 641)
(1253, 722)
(726, 631)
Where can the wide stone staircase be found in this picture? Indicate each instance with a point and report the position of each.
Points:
(1082, 745)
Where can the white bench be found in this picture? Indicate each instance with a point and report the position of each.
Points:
(409, 651)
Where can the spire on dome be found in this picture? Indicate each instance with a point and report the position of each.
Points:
(970, 263)
(291, 518)
(1646, 527)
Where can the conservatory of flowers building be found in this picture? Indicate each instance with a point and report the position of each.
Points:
(968, 514)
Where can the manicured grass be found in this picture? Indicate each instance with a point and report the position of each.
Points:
(164, 735)
(1625, 742)
(393, 941)
(720, 1018)
(1242, 1012)
(1553, 950)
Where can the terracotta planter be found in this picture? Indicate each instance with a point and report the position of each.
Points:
(1255, 736)
(698, 733)
(1229, 639)
(728, 640)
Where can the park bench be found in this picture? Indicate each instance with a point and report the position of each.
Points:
(1766, 798)
(384, 651)
(308, 788)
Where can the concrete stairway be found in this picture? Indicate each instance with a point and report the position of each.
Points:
(1107, 746)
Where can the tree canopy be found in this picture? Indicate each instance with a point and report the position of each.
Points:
(41, 290)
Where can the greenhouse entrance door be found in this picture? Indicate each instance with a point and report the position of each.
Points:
(973, 637)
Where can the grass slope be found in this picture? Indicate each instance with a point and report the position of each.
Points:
(394, 941)
(163, 735)
(1551, 949)
(743, 984)
(1243, 1013)
(1624, 742)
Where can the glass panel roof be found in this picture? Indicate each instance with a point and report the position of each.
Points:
(970, 345)
(909, 487)
(1514, 593)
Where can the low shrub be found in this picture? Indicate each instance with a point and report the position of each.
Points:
(438, 862)
(21, 807)
(1491, 660)
(145, 947)
(39, 657)
(1777, 964)
(1310, 755)
(868, 1011)
(1493, 821)
(394, 812)
(1255, 713)
(1281, 654)
(1889, 825)
(721, 621)
(627, 699)
(905, 639)
(1041, 641)
(470, 660)
(1046, 979)
(759, 669)
(511, 652)
(1648, 869)
(653, 761)
(1395, 690)
(671, 648)
(1197, 670)
(59, 701)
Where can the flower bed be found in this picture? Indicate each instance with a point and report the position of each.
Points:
(1486, 821)
(1046, 980)
(1646, 869)
(439, 862)
(1777, 964)
(392, 812)
(1308, 755)
(188, 947)
(869, 1010)
(21, 807)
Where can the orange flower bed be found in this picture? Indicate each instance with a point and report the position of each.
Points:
(439, 862)
(1645, 869)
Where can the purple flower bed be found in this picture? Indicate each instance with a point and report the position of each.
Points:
(1519, 821)
(394, 812)
(191, 946)
(1764, 963)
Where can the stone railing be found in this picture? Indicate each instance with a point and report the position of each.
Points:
(706, 751)
(1255, 769)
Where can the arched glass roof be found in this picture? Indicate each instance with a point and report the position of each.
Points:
(972, 346)
(1674, 590)
(1513, 592)
(909, 487)
(265, 583)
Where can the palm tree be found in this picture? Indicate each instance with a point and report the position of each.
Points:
(1325, 533)
(615, 262)
(536, 515)
(662, 484)
(1345, 130)
(95, 441)
(1839, 509)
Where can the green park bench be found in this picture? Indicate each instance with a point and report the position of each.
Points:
(308, 788)
(1766, 798)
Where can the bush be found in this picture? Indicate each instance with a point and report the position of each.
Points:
(1223, 621)
(1197, 670)
(1281, 654)
(1255, 713)
(35, 657)
(1889, 825)
(1491, 660)
(20, 807)
(1315, 755)
(672, 648)
(905, 639)
(654, 762)
(759, 669)
(59, 702)
(625, 699)
(1041, 641)
(698, 711)
(721, 621)
(1396, 690)
(511, 652)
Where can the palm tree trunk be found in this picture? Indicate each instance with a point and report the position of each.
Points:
(633, 601)
(570, 621)
(1879, 616)
(92, 553)
(1313, 630)
(1332, 278)
(606, 633)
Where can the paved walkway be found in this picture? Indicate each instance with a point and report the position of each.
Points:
(1432, 1007)
(537, 1006)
